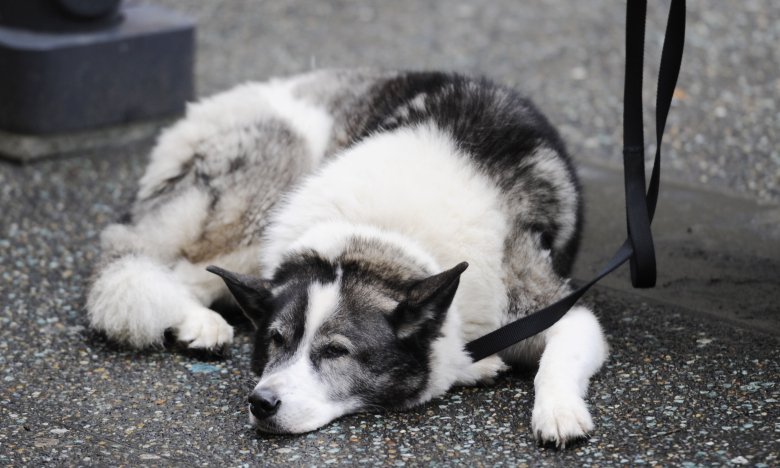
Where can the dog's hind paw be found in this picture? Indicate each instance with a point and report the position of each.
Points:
(204, 329)
(560, 419)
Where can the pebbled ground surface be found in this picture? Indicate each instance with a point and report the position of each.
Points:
(568, 55)
(693, 375)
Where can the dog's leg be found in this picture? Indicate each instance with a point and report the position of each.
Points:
(204, 198)
(198, 329)
(574, 349)
(136, 298)
(138, 294)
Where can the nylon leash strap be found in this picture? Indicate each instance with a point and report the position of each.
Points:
(640, 205)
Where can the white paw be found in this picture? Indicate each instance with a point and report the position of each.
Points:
(204, 329)
(488, 369)
(560, 418)
(485, 371)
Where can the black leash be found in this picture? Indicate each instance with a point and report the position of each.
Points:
(640, 207)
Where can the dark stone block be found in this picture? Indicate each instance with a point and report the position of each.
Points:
(138, 69)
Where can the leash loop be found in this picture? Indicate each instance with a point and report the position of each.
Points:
(642, 263)
(640, 205)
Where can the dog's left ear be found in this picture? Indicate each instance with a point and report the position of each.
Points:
(427, 302)
(252, 294)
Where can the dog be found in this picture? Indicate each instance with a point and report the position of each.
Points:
(369, 224)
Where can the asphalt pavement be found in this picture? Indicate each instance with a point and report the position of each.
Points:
(692, 379)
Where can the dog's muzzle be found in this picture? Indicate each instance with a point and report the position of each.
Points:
(263, 403)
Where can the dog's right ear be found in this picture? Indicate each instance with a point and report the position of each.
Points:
(252, 294)
(427, 303)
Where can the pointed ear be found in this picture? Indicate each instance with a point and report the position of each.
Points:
(252, 294)
(427, 302)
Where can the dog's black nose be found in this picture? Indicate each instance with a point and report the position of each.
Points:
(264, 403)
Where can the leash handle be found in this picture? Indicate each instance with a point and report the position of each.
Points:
(640, 205)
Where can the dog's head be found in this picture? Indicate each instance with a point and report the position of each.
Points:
(335, 337)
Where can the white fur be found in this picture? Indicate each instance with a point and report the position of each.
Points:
(136, 299)
(451, 365)
(213, 122)
(418, 102)
(208, 287)
(323, 300)
(163, 233)
(575, 349)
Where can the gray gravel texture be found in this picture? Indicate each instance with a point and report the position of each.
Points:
(723, 130)
(715, 254)
(681, 387)
(677, 388)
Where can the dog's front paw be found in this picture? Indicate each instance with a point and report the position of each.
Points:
(560, 418)
(485, 370)
(204, 329)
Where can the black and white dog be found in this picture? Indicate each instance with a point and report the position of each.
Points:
(369, 224)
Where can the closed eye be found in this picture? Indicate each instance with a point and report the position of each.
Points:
(334, 351)
(277, 339)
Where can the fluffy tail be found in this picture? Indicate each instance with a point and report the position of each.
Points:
(134, 299)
